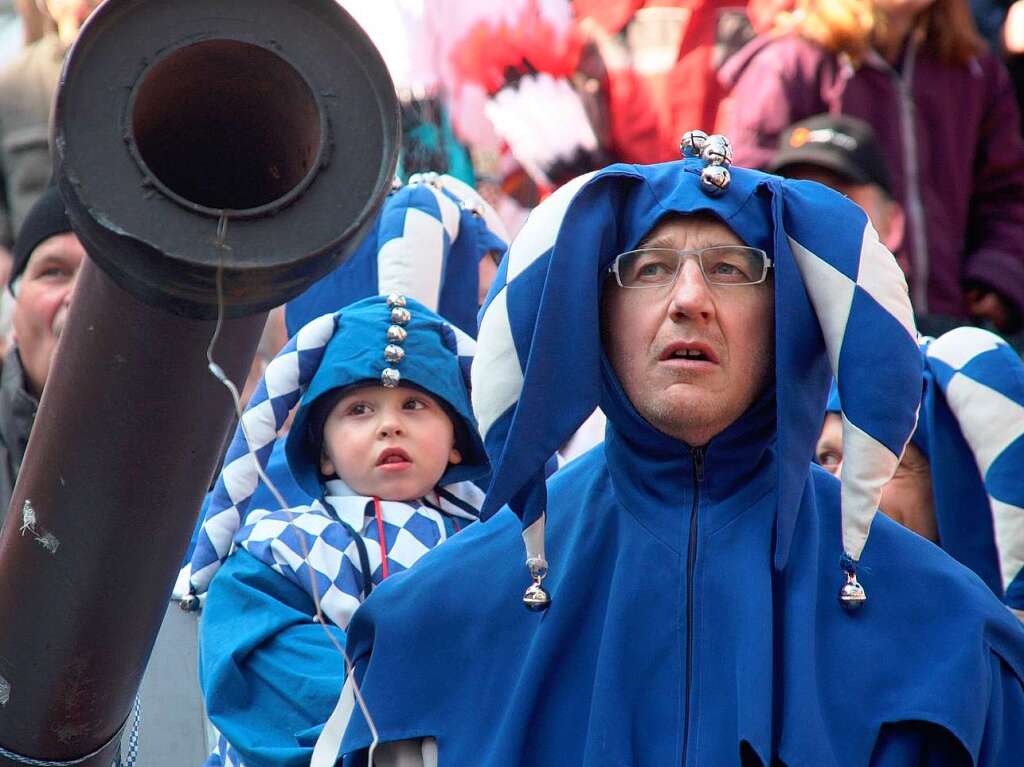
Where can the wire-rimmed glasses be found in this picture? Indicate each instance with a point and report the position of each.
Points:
(720, 265)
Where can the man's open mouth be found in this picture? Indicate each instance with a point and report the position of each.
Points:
(697, 351)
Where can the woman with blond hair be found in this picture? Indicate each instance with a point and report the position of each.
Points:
(944, 110)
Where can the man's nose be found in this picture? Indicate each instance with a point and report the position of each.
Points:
(691, 295)
(70, 288)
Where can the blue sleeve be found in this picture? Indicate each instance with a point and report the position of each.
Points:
(923, 744)
(270, 675)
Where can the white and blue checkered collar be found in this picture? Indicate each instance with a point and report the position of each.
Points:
(352, 508)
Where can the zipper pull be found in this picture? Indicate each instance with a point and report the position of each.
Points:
(697, 453)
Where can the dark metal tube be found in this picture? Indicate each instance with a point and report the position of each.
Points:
(128, 434)
(241, 143)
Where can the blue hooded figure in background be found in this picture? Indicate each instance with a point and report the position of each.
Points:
(684, 595)
(961, 485)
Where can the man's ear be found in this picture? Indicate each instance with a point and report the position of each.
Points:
(896, 226)
(455, 457)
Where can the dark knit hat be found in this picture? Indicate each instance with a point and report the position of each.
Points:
(46, 219)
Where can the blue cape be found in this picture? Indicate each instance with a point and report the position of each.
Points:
(776, 671)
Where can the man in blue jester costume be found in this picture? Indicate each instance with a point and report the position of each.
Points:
(385, 440)
(702, 594)
(960, 482)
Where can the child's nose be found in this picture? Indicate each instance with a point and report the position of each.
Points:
(390, 426)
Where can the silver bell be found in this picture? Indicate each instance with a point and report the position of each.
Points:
(851, 595)
(397, 334)
(189, 603)
(714, 180)
(395, 299)
(475, 208)
(536, 598)
(692, 142)
(430, 178)
(717, 150)
(393, 354)
(400, 316)
(390, 378)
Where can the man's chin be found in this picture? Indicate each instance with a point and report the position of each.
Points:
(681, 410)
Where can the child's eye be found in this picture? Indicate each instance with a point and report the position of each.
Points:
(358, 408)
(414, 404)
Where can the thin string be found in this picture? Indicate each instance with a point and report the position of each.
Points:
(218, 372)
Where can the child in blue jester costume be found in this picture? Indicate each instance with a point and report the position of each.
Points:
(959, 483)
(700, 592)
(385, 440)
(433, 242)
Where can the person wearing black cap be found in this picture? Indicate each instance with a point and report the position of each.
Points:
(47, 256)
(843, 153)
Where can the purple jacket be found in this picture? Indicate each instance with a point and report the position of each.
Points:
(951, 135)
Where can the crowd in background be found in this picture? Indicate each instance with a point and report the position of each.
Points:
(517, 98)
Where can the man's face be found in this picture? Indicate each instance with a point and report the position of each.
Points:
(907, 497)
(829, 451)
(42, 302)
(646, 329)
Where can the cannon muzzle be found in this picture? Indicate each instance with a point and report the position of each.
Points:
(216, 157)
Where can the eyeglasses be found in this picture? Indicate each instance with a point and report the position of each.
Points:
(720, 265)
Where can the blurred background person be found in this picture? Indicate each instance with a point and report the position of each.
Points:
(411, 43)
(662, 57)
(958, 483)
(842, 152)
(944, 110)
(27, 87)
(47, 257)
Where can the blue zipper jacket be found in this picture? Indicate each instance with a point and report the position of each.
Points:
(665, 646)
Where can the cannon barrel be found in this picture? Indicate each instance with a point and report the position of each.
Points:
(215, 157)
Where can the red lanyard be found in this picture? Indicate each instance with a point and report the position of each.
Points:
(380, 538)
(377, 512)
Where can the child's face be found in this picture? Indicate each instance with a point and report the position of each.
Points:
(391, 443)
